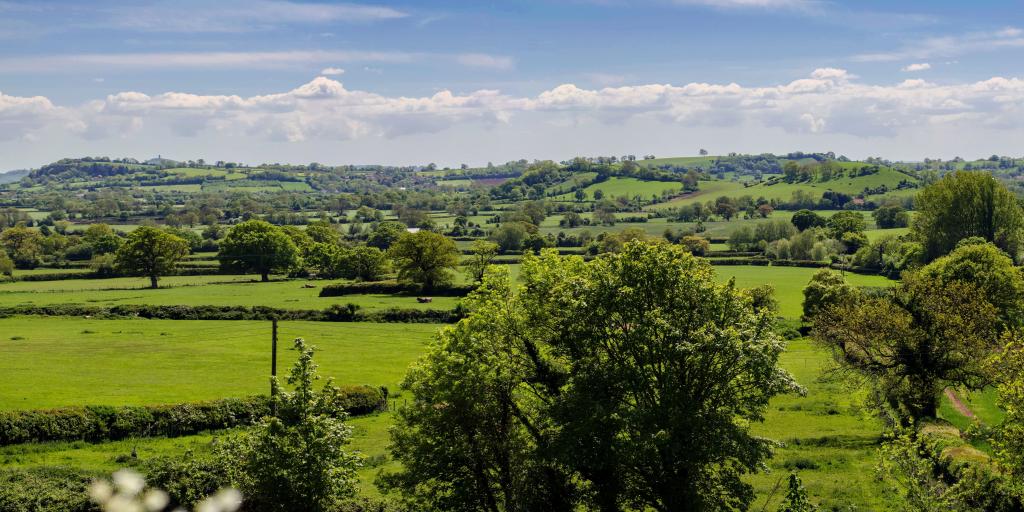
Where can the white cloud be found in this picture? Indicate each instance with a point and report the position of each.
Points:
(332, 71)
(829, 102)
(920, 66)
(950, 46)
(483, 60)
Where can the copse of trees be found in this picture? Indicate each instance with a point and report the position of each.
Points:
(256, 246)
(804, 219)
(968, 204)
(626, 382)
(888, 217)
(150, 252)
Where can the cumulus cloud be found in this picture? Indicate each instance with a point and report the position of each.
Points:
(827, 101)
(332, 71)
(921, 66)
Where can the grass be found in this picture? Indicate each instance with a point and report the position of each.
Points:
(789, 283)
(615, 187)
(55, 362)
(216, 290)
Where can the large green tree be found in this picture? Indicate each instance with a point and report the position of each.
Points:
(913, 342)
(967, 204)
(150, 252)
(629, 382)
(425, 257)
(483, 253)
(259, 247)
(990, 270)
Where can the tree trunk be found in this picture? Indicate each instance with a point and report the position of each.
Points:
(265, 277)
(153, 281)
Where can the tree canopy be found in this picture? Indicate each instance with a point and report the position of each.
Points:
(628, 382)
(966, 204)
(150, 252)
(425, 257)
(259, 247)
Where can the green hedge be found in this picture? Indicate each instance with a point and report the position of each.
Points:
(335, 313)
(46, 489)
(392, 288)
(110, 423)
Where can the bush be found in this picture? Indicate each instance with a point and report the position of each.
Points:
(47, 489)
(106, 423)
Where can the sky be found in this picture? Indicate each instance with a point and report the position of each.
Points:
(479, 81)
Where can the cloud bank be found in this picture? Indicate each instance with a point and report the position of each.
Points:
(828, 101)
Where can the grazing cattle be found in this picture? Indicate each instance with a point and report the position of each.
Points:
(424, 300)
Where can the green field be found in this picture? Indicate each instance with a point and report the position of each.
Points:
(60, 361)
(629, 187)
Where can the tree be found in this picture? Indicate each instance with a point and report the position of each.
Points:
(604, 212)
(826, 288)
(385, 234)
(364, 263)
(482, 254)
(966, 204)
(697, 245)
(101, 239)
(581, 195)
(425, 257)
(323, 232)
(510, 235)
(583, 393)
(988, 269)
(888, 217)
(6, 265)
(804, 219)
(257, 246)
(296, 458)
(913, 342)
(150, 252)
(24, 246)
(844, 222)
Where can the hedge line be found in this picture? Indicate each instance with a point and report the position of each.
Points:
(64, 276)
(109, 423)
(393, 288)
(335, 313)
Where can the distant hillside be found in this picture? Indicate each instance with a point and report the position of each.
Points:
(12, 176)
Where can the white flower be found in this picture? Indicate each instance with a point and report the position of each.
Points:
(155, 500)
(129, 482)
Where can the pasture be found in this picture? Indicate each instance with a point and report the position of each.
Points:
(63, 361)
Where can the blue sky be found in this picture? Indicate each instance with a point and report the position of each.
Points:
(478, 81)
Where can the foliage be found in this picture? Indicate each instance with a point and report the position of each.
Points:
(6, 265)
(364, 262)
(385, 234)
(888, 217)
(588, 377)
(966, 204)
(805, 219)
(697, 245)
(257, 246)
(826, 288)
(845, 222)
(482, 254)
(912, 342)
(510, 235)
(990, 270)
(128, 492)
(295, 459)
(1008, 440)
(150, 252)
(24, 246)
(425, 257)
(796, 499)
(105, 423)
(47, 489)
